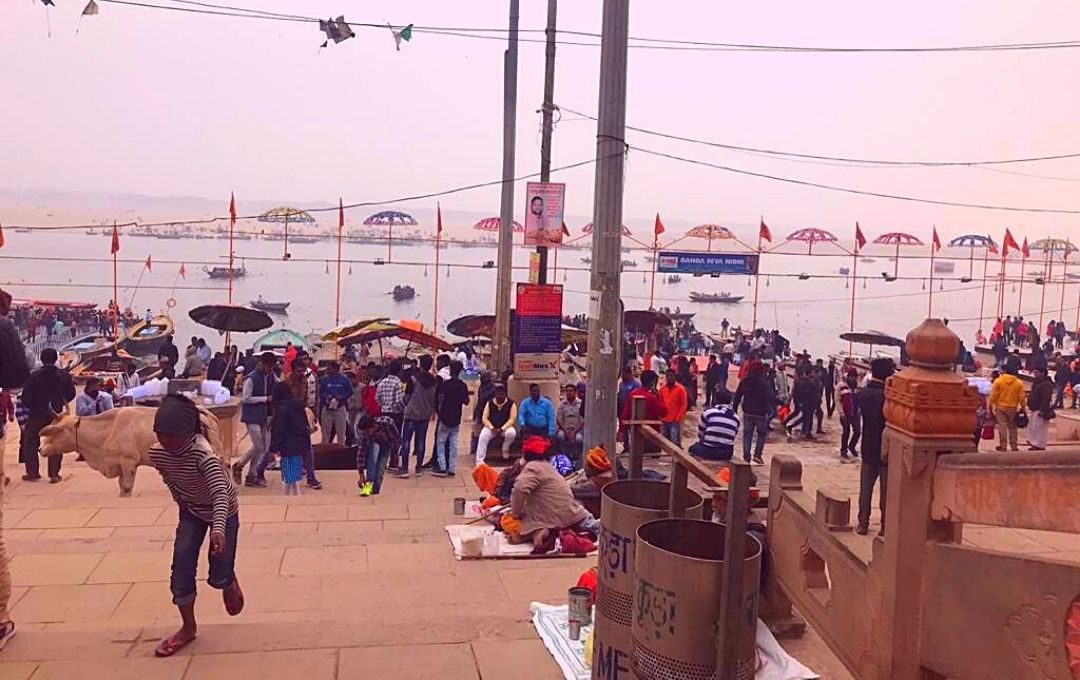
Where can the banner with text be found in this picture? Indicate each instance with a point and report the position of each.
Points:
(544, 213)
(696, 262)
(538, 336)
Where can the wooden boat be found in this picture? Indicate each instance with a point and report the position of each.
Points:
(109, 366)
(83, 347)
(145, 339)
(403, 293)
(867, 260)
(301, 238)
(271, 307)
(674, 278)
(724, 298)
(223, 272)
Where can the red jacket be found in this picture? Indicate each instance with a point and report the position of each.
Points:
(654, 406)
(676, 402)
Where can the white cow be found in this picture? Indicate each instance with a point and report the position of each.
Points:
(116, 442)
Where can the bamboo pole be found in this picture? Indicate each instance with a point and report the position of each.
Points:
(930, 301)
(1048, 274)
(337, 305)
(116, 286)
(757, 280)
(982, 294)
(854, 279)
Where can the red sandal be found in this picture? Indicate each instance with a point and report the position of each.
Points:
(234, 599)
(171, 645)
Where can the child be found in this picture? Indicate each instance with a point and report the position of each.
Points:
(376, 439)
(290, 435)
(204, 492)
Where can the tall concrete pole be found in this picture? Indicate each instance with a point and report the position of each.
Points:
(548, 115)
(500, 356)
(605, 338)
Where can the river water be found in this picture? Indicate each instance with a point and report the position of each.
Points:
(811, 312)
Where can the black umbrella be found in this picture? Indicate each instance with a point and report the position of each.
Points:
(232, 318)
(872, 337)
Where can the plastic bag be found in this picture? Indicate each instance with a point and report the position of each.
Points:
(783, 412)
(988, 431)
(1021, 419)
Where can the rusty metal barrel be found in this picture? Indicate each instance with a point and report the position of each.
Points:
(677, 600)
(625, 506)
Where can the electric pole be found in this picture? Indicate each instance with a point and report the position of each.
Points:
(605, 322)
(500, 355)
(548, 115)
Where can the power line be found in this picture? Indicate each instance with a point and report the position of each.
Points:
(860, 192)
(640, 43)
(866, 162)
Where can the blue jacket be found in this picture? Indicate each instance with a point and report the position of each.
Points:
(539, 414)
(334, 386)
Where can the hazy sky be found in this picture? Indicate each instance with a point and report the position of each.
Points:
(167, 103)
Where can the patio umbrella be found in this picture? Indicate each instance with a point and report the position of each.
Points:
(972, 241)
(493, 223)
(872, 337)
(1054, 245)
(350, 327)
(231, 318)
(391, 218)
(284, 215)
(472, 325)
(711, 232)
(588, 229)
(810, 236)
(384, 329)
(897, 238)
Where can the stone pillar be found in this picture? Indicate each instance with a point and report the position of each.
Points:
(929, 411)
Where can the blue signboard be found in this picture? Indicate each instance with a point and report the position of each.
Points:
(696, 262)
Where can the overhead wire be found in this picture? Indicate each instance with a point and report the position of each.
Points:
(641, 43)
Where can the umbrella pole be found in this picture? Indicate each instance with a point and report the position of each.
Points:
(337, 306)
(652, 287)
(854, 278)
(116, 292)
(390, 243)
(285, 254)
(1064, 278)
(1046, 284)
(1020, 297)
(982, 295)
(757, 280)
(896, 262)
(381, 357)
(971, 263)
(435, 311)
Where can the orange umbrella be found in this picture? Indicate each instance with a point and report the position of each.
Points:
(382, 329)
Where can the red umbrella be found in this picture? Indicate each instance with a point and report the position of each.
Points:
(588, 229)
(812, 235)
(493, 223)
(898, 238)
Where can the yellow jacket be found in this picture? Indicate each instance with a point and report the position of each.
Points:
(1007, 392)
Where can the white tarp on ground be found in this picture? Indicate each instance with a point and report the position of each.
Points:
(552, 626)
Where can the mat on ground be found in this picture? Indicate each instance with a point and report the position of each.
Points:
(482, 542)
(551, 623)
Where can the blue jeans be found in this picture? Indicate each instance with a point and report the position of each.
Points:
(411, 429)
(309, 466)
(377, 458)
(752, 423)
(190, 532)
(673, 433)
(446, 447)
(710, 452)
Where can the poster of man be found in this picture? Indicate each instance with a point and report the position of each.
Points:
(544, 215)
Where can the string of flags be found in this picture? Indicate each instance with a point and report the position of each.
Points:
(336, 30)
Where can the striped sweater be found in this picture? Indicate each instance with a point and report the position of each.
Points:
(198, 482)
(718, 426)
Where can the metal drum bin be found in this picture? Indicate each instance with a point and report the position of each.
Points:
(677, 601)
(625, 505)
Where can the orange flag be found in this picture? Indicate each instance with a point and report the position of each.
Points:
(936, 241)
(232, 208)
(341, 214)
(1, 236)
(183, 271)
(114, 248)
(658, 226)
(859, 237)
(1025, 249)
(438, 212)
(149, 264)
(1009, 242)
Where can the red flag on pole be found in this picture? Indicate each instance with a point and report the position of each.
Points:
(438, 219)
(114, 248)
(860, 238)
(232, 207)
(763, 232)
(1025, 249)
(341, 214)
(1008, 242)
(991, 247)
(149, 265)
(1, 236)
(658, 226)
(183, 271)
(936, 241)
(565, 231)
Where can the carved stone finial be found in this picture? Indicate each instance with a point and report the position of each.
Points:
(927, 399)
(932, 345)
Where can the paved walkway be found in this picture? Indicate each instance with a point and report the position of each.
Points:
(337, 586)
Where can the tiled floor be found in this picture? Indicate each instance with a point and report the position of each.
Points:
(337, 586)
